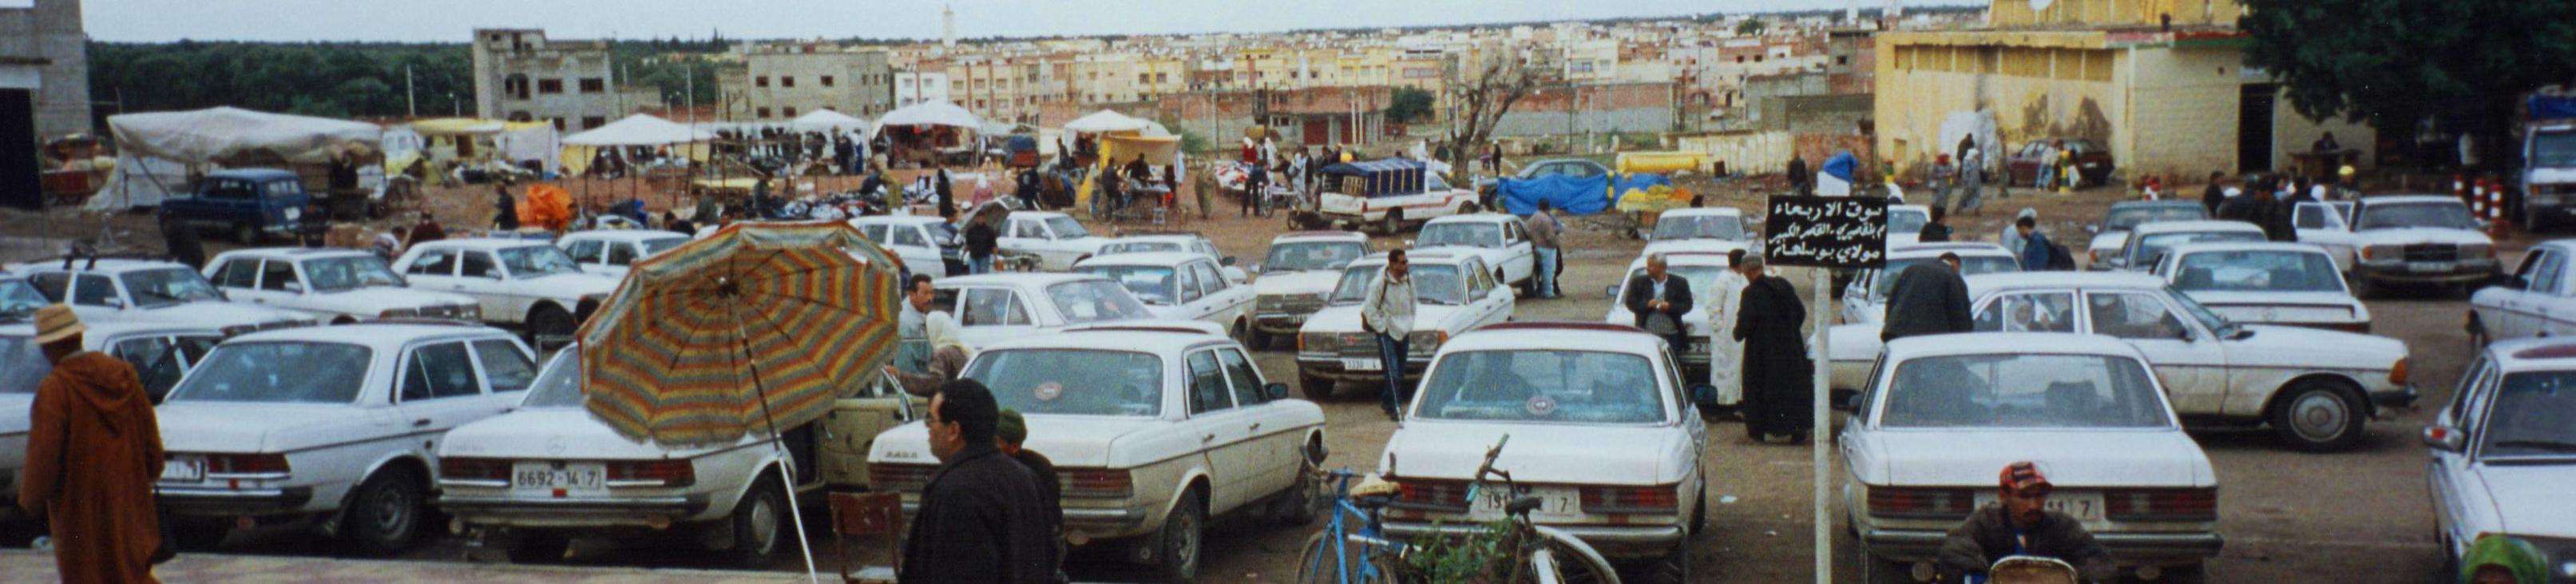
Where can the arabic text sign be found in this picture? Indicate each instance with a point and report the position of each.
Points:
(1832, 232)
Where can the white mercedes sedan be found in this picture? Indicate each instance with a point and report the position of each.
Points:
(2294, 284)
(2504, 452)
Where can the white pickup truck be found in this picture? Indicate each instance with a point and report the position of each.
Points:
(1388, 194)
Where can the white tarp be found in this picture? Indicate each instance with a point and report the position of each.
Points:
(821, 120)
(139, 182)
(639, 130)
(531, 142)
(931, 113)
(225, 133)
(1106, 121)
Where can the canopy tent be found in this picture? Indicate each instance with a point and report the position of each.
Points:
(826, 120)
(1157, 150)
(456, 126)
(931, 113)
(639, 130)
(1106, 121)
(223, 136)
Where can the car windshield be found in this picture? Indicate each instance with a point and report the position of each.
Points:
(2022, 391)
(660, 244)
(2258, 271)
(17, 299)
(1968, 266)
(1095, 301)
(2534, 415)
(1543, 386)
(1471, 234)
(167, 286)
(349, 273)
(1907, 221)
(1082, 382)
(945, 233)
(1701, 279)
(22, 365)
(536, 260)
(559, 385)
(2126, 218)
(1317, 255)
(1432, 284)
(2553, 149)
(277, 372)
(1138, 247)
(2147, 248)
(1066, 228)
(1151, 284)
(2438, 214)
(1701, 227)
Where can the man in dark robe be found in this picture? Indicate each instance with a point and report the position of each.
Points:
(93, 453)
(1779, 383)
(1928, 299)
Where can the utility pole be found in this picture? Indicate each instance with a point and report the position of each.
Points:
(411, 101)
(689, 89)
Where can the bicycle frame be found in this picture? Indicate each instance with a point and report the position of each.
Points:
(1339, 536)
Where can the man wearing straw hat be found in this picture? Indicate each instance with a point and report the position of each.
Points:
(93, 451)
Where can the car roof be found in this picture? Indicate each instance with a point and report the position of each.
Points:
(378, 335)
(624, 234)
(2062, 279)
(901, 219)
(1160, 341)
(1141, 258)
(1935, 249)
(2196, 225)
(2541, 353)
(2411, 199)
(106, 265)
(1419, 257)
(1682, 258)
(1013, 279)
(483, 243)
(1473, 218)
(2210, 246)
(2157, 203)
(1925, 209)
(1320, 236)
(294, 252)
(111, 328)
(1704, 212)
(1039, 214)
(2008, 344)
(252, 173)
(1562, 335)
(1158, 237)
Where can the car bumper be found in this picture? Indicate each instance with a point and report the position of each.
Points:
(221, 502)
(2387, 401)
(2127, 549)
(1320, 367)
(515, 511)
(2455, 273)
(1280, 323)
(1087, 524)
(1611, 541)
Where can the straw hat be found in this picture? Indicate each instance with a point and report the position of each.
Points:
(56, 322)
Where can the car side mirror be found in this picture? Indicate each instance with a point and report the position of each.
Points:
(1611, 291)
(2508, 281)
(1227, 261)
(1255, 268)
(295, 287)
(2445, 438)
(2093, 229)
(1704, 394)
(1846, 401)
(1274, 391)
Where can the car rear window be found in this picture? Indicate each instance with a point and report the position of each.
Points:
(1084, 382)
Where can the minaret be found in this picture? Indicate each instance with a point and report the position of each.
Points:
(947, 26)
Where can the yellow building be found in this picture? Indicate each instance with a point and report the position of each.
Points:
(2169, 97)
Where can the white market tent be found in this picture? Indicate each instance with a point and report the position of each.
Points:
(931, 113)
(639, 130)
(1106, 121)
(216, 136)
(827, 120)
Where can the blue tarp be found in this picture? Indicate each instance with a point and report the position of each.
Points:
(1840, 166)
(1566, 194)
(1640, 181)
(2552, 107)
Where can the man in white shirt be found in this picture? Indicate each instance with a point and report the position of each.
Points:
(912, 351)
(1387, 311)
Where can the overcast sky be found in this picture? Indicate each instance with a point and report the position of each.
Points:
(454, 20)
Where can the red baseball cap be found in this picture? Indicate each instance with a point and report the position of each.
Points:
(2023, 476)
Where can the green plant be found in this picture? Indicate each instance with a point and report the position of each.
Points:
(1482, 556)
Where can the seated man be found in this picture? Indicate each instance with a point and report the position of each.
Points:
(2021, 525)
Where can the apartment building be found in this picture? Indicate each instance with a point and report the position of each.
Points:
(520, 75)
(781, 82)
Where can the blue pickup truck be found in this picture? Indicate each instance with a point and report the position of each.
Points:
(249, 203)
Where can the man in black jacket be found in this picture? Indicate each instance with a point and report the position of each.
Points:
(1937, 230)
(1658, 300)
(981, 239)
(2020, 524)
(2215, 194)
(981, 519)
(1928, 299)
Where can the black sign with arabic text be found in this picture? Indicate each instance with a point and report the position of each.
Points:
(1830, 232)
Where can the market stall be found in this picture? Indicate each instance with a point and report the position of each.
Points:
(192, 142)
(640, 131)
(923, 132)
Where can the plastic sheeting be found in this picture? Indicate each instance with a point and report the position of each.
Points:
(1649, 193)
(639, 130)
(1567, 194)
(227, 135)
(1662, 161)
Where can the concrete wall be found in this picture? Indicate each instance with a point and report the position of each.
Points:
(1523, 122)
(500, 54)
(2182, 111)
(1743, 152)
(1911, 104)
(44, 49)
(862, 83)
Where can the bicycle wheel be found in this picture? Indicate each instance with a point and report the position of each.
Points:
(1318, 564)
(1567, 560)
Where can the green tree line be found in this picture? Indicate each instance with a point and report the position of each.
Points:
(348, 79)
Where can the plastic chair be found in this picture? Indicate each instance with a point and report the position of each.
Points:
(862, 516)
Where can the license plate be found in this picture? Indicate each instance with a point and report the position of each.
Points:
(2082, 506)
(2427, 267)
(184, 468)
(547, 476)
(1552, 502)
(1363, 365)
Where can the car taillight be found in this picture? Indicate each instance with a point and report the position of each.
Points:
(1899, 502)
(246, 464)
(474, 469)
(2161, 505)
(1431, 494)
(2397, 372)
(669, 473)
(901, 478)
(1097, 483)
(1657, 499)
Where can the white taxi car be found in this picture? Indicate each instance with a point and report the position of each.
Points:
(2538, 300)
(2147, 241)
(1152, 430)
(1563, 393)
(341, 285)
(1942, 413)
(926, 244)
(106, 290)
(1905, 224)
(1700, 271)
(2420, 239)
(1502, 241)
(530, 480)
(1296, 273)
(527, 284)
(338, 423)
(1178, 286)
(159, 353)
(1054, 239)
(2314, 387)
(2292, 284)
(992, 308)
(2503, 452)
(1176, 241)
(1387, 194)
(1865, 299)
(1452, 294)
(609, 252)
(2112, 233)
(1720, 224)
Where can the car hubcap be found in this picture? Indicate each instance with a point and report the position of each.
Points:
(1185, 552)
(2318, 416)
(393, 510)
(764, 525)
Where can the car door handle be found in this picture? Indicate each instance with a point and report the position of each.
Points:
(1256, 426)
(1207, 438)
(420, 422)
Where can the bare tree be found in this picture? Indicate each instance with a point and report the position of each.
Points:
(1501, 83)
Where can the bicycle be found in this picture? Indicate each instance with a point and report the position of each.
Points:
(1549, 553)
(1354, 555)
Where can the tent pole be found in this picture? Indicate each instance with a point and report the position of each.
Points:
(787, 461)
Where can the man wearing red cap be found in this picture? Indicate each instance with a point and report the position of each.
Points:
(2022, 525)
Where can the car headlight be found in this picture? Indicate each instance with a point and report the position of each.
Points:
(1425, 342)
(1323, 342)
(399, 313)
(292, 213)
(470, 312)
(2477, 250)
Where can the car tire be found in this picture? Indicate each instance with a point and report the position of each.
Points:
(2316, 415)
(1177, 544)
(196, 533)
(1298, 505)
(1242, 333)
(246, 234)
(537, 547)
(1699, 515)
(1675, 565)
(2363, 288)
(1393, 222)
(1315, 389)
(386, 512)
(548, 320)
(759, 523)
(2478, 337)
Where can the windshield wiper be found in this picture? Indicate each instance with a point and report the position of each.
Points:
(2550, 445)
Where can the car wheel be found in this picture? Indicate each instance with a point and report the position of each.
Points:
(2318, 416)
(196, 533)
(759, 523)
(1315, 389)
(2478, 338)
(1393, 222)
(2363, 288)
(386, 513)
(533, 548)
(1298, 506)
(1675, 566)
(246, 234)
(1178, 542)
(548, 322)
(1242, 333)
(1699, 515)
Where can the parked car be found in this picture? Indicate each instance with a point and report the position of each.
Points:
(1865, 300)
(1178, 286)
(2328, 224)
(1501, 240)
(526, 284)
(1152, 432)
(1699, 270)
(159, 353)
(339, 424)
(1454, 294)
(2503, 451)
(2419, 239)
(2291, 284)
(1388, 194)
(338, 285)
(1178, 241)
(1721, 224)
(128, 290)
(608, 252)
(2313, 387)
(1296, 274)
(2148, 241)
(1561, 391)
(2091, 161)
(2538, 300)
(249, 203)
(530, 480)
(2112, 232)
(1905, 224)
(1053, 239)
(992, 308)
(1942, 413)
(927, 245)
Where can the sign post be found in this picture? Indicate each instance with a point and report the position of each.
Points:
(1824, 234)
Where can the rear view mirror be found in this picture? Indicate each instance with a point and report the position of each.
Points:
(2444, 438)
(1704, 395)
(1847, 401)
(1274, 391)
(1226, 261)
(1611, 291)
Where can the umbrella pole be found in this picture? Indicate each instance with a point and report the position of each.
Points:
(786, 460)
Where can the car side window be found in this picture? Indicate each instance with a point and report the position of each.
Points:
(621, 254)
(503, 365)
(1208, 391)
(51, 284)
(93, 290)
(1211, 281)
(275, 275)
(195, 347)
(875, 232)
(2046, 312)
(584, 251)
(2553, 268)
(478, 265)
(1185, 283)
(2130, 315)
(992, 307)
(229, 189)
(1029, 229)
(910, 237)
(1246, 379)
(436, 262)
(2460, 394)
(156, 362)
(238, 273)
(439, 370)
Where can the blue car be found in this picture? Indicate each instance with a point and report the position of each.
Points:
(249, 203)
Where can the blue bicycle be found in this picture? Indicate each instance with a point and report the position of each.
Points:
(1351, 545)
